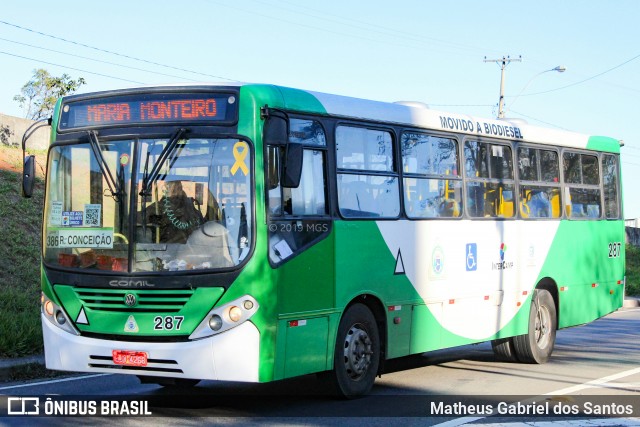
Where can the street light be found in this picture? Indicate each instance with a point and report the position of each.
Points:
(559, 69)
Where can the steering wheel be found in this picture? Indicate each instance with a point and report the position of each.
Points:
(122, 236)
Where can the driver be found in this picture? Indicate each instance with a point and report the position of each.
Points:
(175, 214)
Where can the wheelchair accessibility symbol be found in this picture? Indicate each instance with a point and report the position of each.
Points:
(472, 257)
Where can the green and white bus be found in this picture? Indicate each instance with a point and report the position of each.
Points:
(254, 233)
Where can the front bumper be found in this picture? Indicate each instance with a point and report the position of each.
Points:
(230, 356)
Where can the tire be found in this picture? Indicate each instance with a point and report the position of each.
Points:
(357, 353)
(504, 349)
(537, 345)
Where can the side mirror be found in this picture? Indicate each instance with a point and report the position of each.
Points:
(276, 129)
(28, 176)
(293, 157)
(276, 133)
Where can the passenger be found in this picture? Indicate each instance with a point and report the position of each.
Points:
(540, 205)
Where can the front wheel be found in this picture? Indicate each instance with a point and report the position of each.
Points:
(537, 345)
(357, 352)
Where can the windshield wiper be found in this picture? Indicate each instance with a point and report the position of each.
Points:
(164, 155)
(114, 186)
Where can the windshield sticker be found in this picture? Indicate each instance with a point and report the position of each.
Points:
(124, 159)
(92, 215)
(55, 214)
(100, 238)
(282, 249)
(72, 219)
(240, 152)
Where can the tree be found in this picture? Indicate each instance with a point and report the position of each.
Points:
(39, 95)
(5, 134)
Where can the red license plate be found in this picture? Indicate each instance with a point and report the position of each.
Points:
(129, 358)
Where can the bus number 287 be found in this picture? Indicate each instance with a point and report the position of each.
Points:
(167, 323)
(614, 250)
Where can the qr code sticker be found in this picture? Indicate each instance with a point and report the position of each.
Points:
(92, 215)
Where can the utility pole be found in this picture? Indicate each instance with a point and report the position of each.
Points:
(504, 61)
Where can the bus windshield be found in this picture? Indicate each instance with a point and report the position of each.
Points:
(191, 202)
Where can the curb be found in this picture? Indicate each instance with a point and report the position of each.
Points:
(631, 302)
(7, 366)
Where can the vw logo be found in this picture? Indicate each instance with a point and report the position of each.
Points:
(130, 300)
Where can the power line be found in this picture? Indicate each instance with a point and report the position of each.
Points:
(305, 25)
(325, 30)
(112, 52)
(96, 60)
(374, 28)
(585, 80)
(71, 68)
(538, 120)
(461, 105)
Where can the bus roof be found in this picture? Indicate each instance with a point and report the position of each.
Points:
(410, 114)
(419, 115)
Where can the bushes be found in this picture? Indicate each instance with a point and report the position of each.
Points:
(633, 271)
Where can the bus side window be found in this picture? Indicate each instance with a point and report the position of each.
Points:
(489, 180)
(309, 197)
(298, 217)
(539, 183)
(368, 185)
(273, 181)
(432, 184)
(610, 185)
(582, 180)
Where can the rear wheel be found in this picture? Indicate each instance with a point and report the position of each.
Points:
(357, 353)
(537, 345)
(504, 349)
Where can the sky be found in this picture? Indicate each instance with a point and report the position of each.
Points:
(409, 50)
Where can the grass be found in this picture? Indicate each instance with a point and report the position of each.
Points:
(32, 371)
(19, 267)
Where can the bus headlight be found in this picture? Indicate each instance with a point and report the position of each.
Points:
(228, 316)
(56, 315)
(48, 307)
(215, 322)
(60, 318)
(235, 314)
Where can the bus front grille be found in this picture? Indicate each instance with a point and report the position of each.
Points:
(138, 301)
(154, 365)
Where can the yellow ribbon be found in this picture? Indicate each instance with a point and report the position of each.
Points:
(240, 152)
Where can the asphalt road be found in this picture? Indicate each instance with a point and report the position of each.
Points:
(597, 363)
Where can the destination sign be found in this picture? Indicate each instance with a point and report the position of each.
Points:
(149, 108)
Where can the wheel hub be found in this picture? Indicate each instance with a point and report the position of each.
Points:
(542, 332)
(357, 352)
